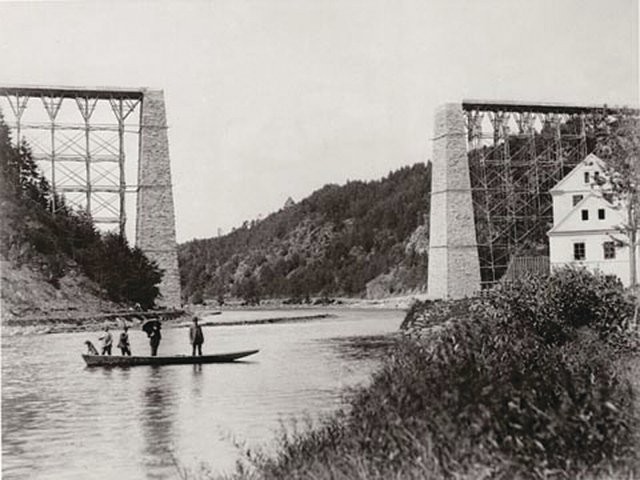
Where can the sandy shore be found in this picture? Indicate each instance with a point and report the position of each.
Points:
(79, 322)
(116, 320)
(393, 303)
(86, 322)
(259, 321)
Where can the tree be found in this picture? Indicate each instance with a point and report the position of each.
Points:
(618, 147)
(67, 239)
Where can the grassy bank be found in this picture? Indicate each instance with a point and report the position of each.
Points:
(528, 382)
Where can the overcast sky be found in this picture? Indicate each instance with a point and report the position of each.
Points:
(271, 99)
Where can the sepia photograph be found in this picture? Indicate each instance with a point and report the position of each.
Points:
(320, 239)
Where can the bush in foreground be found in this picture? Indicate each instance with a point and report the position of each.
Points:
(526, 386)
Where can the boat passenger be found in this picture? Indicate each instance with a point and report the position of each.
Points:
(196, 337)
(107, 341)
(154, 339)
(123, 344)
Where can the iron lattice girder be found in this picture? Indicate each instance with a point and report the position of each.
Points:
(72, 92)
(69, 145)
(539, 108)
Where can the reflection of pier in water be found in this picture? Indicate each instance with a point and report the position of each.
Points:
(157, 420)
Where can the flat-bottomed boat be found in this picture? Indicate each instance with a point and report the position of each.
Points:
(135, 360)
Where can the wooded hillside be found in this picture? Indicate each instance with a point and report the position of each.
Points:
(359, 238)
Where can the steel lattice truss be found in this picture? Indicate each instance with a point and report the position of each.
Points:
(83, 158)
(516, 154)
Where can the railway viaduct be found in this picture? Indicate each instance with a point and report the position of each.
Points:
(84, 154)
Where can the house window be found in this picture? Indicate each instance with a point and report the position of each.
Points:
(586, 177)
(576, 199)
(609, 250)
(601, 213)
(585, 214)
(596, 176)
(579, 251)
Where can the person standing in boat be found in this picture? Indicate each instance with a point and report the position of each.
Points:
(196, 337)
(154, 339)
(107, 341)
(123, 343)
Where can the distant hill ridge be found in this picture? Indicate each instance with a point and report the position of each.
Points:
(359, 239)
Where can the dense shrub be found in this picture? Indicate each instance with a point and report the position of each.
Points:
(429, 313)
(571, 298)
(526, 386)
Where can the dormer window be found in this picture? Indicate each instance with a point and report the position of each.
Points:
(585, 214)
(586, 177)
(577, 199)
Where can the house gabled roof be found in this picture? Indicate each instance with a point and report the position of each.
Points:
(613, 217)
(590, 159)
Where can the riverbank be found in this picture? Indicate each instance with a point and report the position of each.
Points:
(401, 302)
(80, 322)
(170, 319)
(221, 322)
(532, 382)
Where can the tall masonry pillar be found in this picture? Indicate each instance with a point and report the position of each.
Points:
(155, 219)
(454, 267)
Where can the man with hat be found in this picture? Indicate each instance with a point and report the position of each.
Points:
(196, 337)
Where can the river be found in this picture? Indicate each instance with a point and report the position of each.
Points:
(61, 420)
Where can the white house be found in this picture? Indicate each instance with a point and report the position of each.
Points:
(584, 224)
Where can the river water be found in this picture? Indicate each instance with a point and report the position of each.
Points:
(61, 420)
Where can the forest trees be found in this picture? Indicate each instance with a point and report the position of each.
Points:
(59, 242)
(619, 147)
(331, 243)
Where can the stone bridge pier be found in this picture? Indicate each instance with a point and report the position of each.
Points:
(155, 219)
(454, 268)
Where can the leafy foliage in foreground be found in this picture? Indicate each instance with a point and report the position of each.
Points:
(498, 394)
(57, 243)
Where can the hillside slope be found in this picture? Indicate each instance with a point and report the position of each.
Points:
(34, 284)
(53, 259)
(362, 238)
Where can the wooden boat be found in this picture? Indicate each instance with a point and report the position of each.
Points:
(133, 361)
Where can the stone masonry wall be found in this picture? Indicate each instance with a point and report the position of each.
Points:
(454, 267)
(155, 219)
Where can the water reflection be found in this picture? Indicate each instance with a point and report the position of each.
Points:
(197, 380)
(157, 420)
